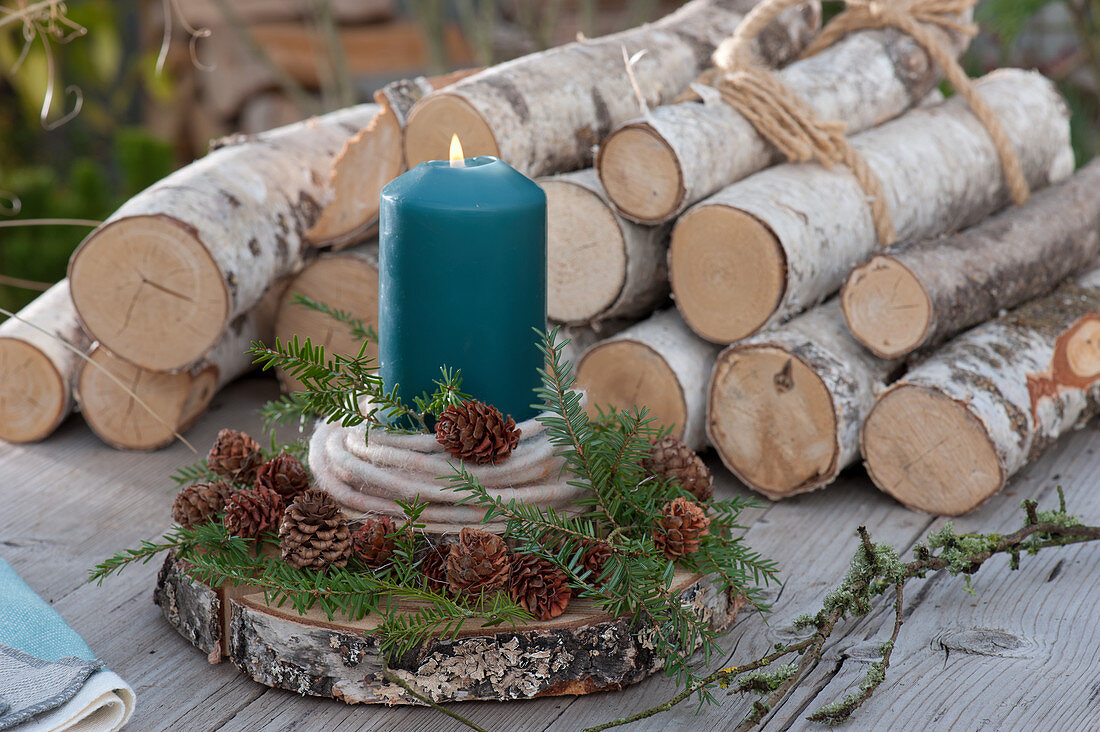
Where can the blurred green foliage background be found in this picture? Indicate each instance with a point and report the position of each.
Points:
(87, 167)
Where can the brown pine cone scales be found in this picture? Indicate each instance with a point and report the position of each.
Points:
(433, 565)
(285, 475)
(251, 512)
(476, 433)
(371, 543)
(594, 560)
(314, 533)
(682, 527)
(198, 504)
(678, 463)
(235, 456)
(478, 562)
(539, 586)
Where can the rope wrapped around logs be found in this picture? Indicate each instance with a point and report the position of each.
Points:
(369, 477)
(788, 123)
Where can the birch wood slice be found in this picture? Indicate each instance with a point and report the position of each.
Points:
(782, 240)
(160, 281)
(953, 430)
(346, 281)
(581, 652)
(36, 371)
(544, 113)
(658, 364)
(599, 265)
(920, 294)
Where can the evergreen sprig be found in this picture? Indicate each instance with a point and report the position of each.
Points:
(359, 330)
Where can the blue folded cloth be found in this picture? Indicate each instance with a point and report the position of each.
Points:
(49, 677)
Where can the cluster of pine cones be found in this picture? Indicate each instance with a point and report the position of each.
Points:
(684, 522)
(255, 496)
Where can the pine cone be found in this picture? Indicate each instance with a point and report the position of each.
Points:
(251, 512)
(593, 561)
(433, 565)
(198, 504)
(684, 524)
(539, 586)
(478, 562)
(285, 475)
(314, 533)
(235, 456)
(372, 544)
(476, 433)
(675, 461)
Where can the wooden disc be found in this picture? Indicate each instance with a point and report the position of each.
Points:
(624, 373)
(1081, 346)
(929, 452)
(148, 291)
(33, 396)
(347, 282)
(586, 253)
(582, 651)
(435, 119)
(728, 272)
(121, 421)
(886, 307)
(641, 174)
(772, 420)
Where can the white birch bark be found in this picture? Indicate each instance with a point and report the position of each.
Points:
(785, 431)
(948, 435)
(599, 265)
(160, 281)
(36, 371)
(543, 113)
(939, 171)
(864, 80)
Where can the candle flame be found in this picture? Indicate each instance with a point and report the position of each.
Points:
(458, 160)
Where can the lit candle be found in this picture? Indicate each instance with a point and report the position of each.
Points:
(463, 280)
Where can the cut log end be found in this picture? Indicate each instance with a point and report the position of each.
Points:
(886, 307)
(121, 421)
(625, 373)
(345, 282)
(641, 174)
(33, 396)
(435, 119)
(929, 452)
(772, 420)
(586, 253)
(727, 271)
(177, 302)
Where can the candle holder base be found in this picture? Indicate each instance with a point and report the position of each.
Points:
(581, 652)
(369, 472)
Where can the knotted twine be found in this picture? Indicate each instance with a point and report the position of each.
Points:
(786, 121)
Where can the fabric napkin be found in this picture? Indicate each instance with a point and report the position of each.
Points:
(49, 678)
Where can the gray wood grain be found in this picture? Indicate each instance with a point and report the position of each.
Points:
(1019, 655)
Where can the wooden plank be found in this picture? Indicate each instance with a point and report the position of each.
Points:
(992, 659)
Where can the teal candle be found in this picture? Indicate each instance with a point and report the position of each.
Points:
(463, 281)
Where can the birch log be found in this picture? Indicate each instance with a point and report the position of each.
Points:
(921, 294)
(599, 265)
(780, 241)
(36, 371)
(368, 161)
(159, 283)
(656, 166)
(177, 399)
(346, 281)
(948, 435)
(658, 364)
(785, 407)
(543, 113)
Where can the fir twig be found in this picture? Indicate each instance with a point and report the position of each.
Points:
(395, 679)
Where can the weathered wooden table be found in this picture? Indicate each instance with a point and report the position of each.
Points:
(1023, 653)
